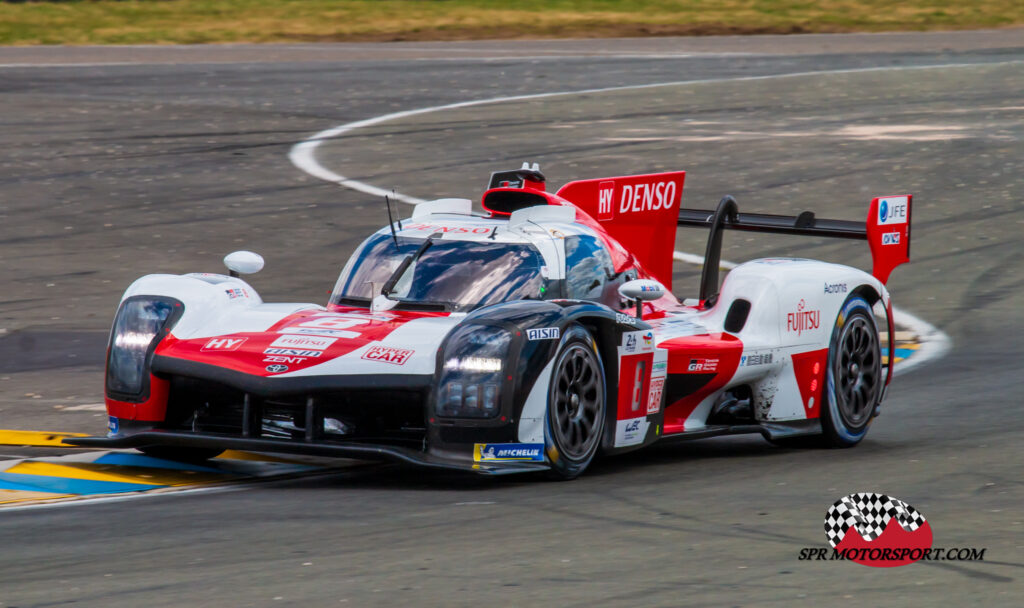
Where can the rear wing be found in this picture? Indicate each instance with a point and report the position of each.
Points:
(887, 232)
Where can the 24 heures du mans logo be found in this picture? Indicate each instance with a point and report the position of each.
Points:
(883, 532)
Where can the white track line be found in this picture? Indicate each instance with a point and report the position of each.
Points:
(303, 154)
(934, 342)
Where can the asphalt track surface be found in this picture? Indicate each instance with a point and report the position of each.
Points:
(141, 160)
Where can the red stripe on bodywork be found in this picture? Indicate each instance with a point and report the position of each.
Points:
(809, 369)
(726, 348)
(153, 409)
(633, 404)
(360, 328)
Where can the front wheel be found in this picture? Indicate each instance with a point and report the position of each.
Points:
(576, 404)
(854, 382)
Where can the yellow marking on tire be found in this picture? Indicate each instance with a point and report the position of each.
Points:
(36, 438)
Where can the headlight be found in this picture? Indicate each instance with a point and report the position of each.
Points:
(140, 323)
(472, 372)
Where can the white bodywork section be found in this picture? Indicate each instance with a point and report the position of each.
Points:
(794, 306)
(213, 307)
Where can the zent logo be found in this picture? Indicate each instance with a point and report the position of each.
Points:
(605, 196)
(386, 354)
(543, 333)
(877, 530)
(647, 197)
(277, 369)
(891, 238)
(223, 344)
(892, 210)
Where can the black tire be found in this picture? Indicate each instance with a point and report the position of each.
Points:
(577, 398)
(180, 454)
(854, 383)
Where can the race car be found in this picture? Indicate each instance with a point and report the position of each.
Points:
(527, 337)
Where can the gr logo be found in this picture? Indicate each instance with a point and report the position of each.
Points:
(891, 238)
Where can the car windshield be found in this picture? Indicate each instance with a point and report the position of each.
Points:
(462, 274)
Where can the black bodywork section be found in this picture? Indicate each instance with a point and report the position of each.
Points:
(391, 417)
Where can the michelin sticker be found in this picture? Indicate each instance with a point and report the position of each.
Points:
(508, 452)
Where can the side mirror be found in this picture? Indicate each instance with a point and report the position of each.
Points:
(640, 291)
(243, 262)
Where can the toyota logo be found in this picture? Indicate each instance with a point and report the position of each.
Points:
(277, 369)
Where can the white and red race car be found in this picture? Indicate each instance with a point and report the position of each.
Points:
(526, 338)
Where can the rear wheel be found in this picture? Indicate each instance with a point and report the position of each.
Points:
(855, 380)
(576, 404)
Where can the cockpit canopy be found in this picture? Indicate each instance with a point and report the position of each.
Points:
(457, 275)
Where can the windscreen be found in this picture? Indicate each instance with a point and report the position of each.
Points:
(463, 274)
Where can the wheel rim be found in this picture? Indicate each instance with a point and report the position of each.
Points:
(577, 400)
(857, 371)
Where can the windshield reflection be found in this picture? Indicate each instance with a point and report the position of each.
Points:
(465, 274)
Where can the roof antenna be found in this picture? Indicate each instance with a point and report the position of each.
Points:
(397, 215)
(391, 222)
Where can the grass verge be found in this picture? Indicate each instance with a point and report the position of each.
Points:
(211, 21)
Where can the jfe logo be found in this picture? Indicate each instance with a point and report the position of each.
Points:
(892, 210)
(605, 195)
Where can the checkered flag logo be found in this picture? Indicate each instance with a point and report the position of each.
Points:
(869, 513)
